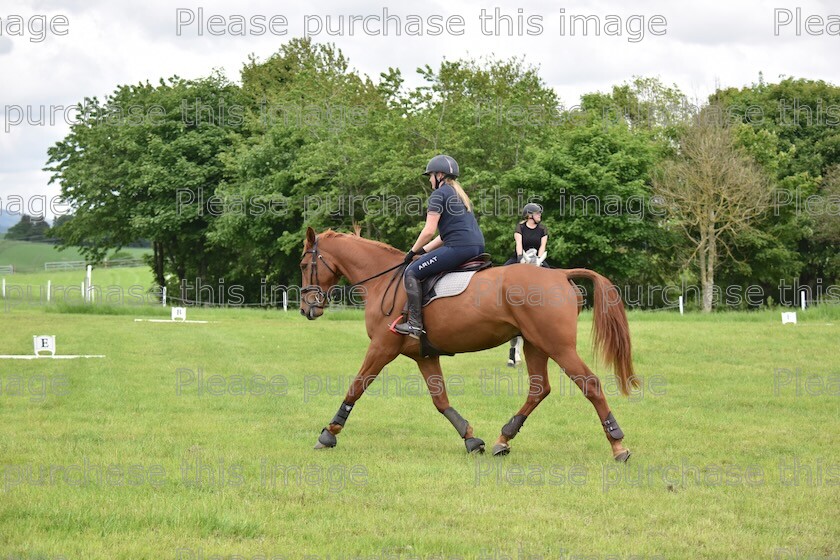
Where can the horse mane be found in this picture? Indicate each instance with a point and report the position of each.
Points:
(337, 234)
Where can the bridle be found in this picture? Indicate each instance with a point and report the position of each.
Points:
(321, 296)
(315, 286)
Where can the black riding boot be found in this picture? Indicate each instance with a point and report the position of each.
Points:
(414, 326)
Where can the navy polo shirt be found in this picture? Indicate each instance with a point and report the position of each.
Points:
(457, 225)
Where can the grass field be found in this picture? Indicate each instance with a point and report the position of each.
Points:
(27, 256)
(195, 441)
(117, 286)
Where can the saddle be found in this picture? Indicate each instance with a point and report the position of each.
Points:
(446, 284)
(453, 282)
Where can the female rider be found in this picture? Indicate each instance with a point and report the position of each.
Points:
(530, 233)
(449, 212)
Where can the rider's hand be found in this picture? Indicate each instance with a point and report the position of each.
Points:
(411, 254)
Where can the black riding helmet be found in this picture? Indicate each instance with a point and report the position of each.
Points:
(531, 208)
(443, 164)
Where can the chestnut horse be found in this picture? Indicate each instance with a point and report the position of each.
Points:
(499, 303)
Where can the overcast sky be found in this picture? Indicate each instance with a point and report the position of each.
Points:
(97, 45)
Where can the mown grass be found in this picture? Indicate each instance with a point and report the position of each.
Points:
(129, 287)
(728, 403)
(29, 256)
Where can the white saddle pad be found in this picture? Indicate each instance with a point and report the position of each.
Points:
(452, 284)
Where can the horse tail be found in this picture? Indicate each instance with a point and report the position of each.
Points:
(610, 333)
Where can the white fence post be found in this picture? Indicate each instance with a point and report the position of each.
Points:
(285, 300)
(681, 305)
(88, 284)
(49, 290)
(164, 296)
(802, 298)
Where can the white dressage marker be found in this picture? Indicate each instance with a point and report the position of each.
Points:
(179, 315)
(168, 321)
(46, 343)
(789, 317)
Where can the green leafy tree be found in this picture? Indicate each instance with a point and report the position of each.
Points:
(594, 184)
(802, 118)
(144, 164)
(303, 154)
(29, 228)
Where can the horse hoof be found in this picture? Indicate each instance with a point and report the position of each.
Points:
(501, 449)
(326, 440)
(474, 445)
(623, 456)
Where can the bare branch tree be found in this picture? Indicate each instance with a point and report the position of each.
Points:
(713, 191)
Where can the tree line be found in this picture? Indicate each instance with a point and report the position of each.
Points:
(637, 183)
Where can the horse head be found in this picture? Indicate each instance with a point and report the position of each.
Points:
(318, 278)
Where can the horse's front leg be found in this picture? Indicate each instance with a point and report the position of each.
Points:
(430, 368)
(378, 356)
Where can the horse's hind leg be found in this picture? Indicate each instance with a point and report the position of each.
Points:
(589, 383)
(430, 368)
(539, 388)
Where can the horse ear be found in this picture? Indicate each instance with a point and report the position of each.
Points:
(310, 236)
(357, 229)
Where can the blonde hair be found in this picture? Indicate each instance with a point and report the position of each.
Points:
(461, 194)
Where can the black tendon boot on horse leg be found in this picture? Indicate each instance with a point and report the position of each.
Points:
(430, 368)
(327, 437)
(464, 429)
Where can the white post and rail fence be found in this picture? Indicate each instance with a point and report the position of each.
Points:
(88, 288)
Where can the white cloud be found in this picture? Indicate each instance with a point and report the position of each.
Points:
(111, 43)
